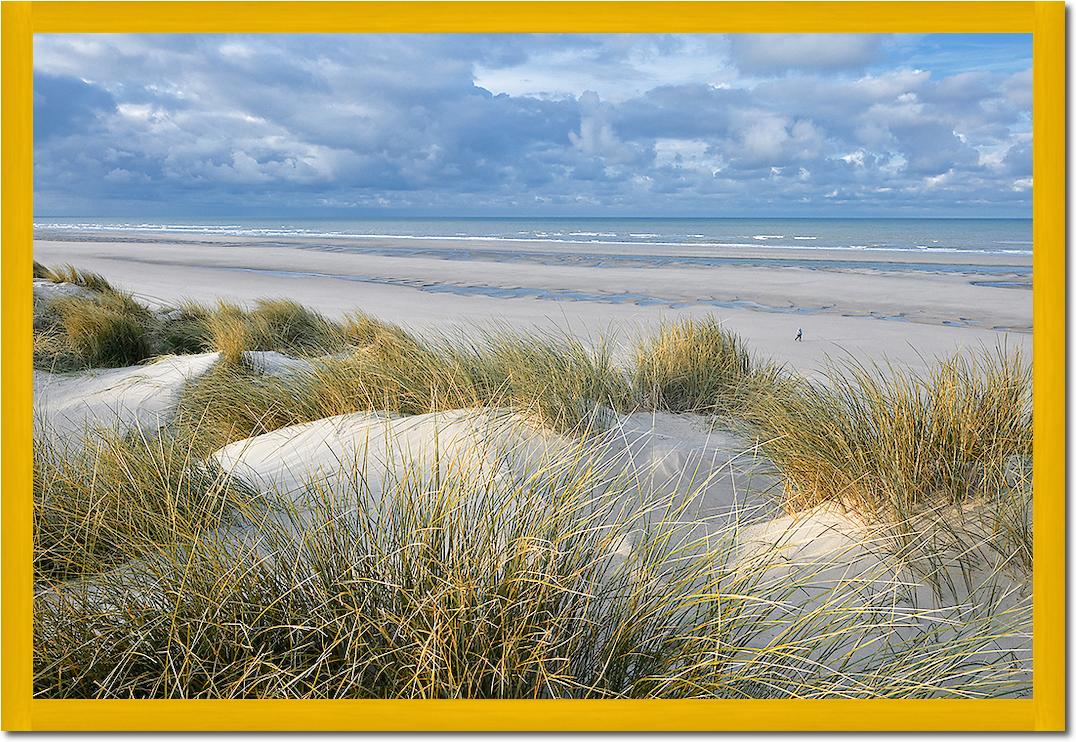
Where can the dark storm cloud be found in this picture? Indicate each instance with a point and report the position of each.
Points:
(162, 125)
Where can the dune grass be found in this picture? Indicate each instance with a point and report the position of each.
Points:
(108, 329)
(111, 329)
(185, 329)
(868, 436)
(272, 325)
(118, 497)
(883, 439)
(556, 381)
(697, 365)
(462, 588)
(67, 273)
(41, 271)
(287, 326)
(437, 592)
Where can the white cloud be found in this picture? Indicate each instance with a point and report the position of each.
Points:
(687, 154)
(767, 53)
(854, 158)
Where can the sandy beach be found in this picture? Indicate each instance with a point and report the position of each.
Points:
(870, 304)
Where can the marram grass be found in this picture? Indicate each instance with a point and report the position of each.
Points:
(159, 576)
(108, 329)
(891, 441)
(697, 365)
(118, 497)
(70, 274)
(556, 381)
(459, 586)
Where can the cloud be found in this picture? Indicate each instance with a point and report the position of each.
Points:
(770, 53)
(66, 105)
(541, 124)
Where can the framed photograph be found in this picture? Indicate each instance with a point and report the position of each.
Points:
(533, 366)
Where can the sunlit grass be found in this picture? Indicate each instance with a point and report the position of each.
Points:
(890, 441)
(159, 576)
(463, 585)
(556, 381)
(70, 274)
(107, 329)
(697, 365)
(117, 497)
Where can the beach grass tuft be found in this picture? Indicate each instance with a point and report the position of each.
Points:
(42, 272)
(107, 329)
(884, 439)
(361, 329)
(556, 381)
(288, 327)
(698, 365)
(118, 497)
(185, 329)
(230, 332)
(70, 274)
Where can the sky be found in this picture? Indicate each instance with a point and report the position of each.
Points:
(533, 125)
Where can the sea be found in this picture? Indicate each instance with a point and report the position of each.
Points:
(663, 235)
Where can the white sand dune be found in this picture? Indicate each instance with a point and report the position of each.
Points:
(67, 406)
(827, 569)
(671, 453)
(656, 456)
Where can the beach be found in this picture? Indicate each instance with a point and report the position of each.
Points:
(907, 307)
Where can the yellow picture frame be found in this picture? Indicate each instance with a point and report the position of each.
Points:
(1044, 20)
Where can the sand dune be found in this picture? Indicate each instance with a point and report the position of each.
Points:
(67, 406)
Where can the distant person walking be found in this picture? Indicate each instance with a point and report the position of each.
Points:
(799, 336)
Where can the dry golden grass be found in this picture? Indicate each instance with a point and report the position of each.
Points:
(41, 271)
(230, 332)
(185, 329)
(696, 365)
(106, 330)
(286, 326)
(888, 441)
(70, 274)
(465, 587)
(557, 382)
(459, 587)
(361, 329)
(119, 497)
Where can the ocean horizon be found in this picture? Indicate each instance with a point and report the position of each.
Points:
(978, 235)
